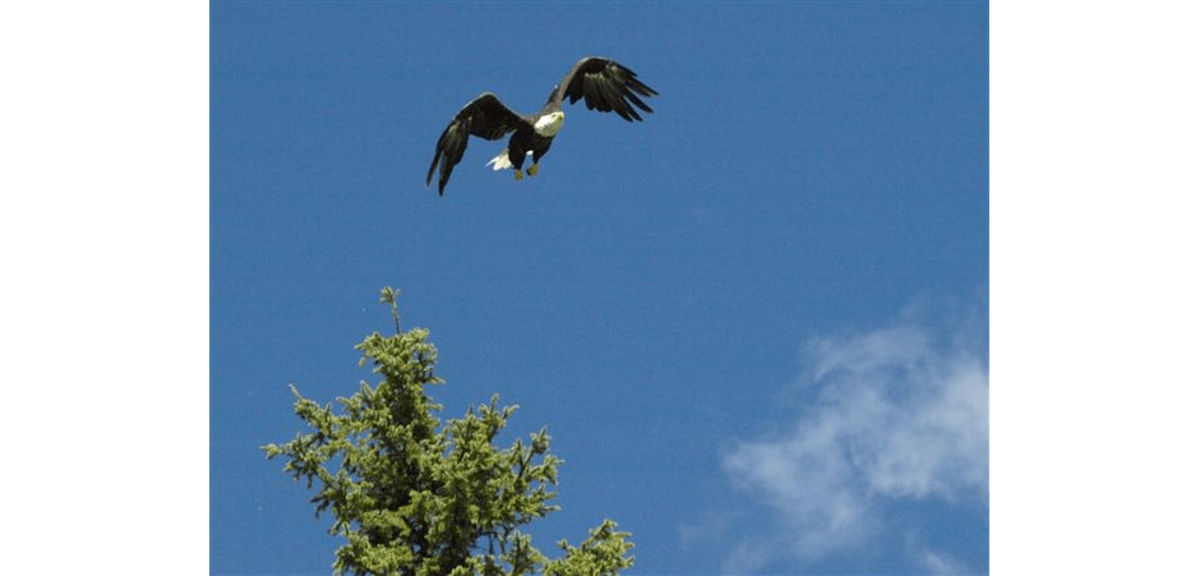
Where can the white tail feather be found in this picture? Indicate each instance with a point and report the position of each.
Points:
(501, 161)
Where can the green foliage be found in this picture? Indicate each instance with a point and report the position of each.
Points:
(412, 496)
(602, 553)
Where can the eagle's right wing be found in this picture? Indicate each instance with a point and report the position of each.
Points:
(485, 117)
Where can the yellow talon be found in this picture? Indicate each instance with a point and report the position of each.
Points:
(532, 170)
(520, 175)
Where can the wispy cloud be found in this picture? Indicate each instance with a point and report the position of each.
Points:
(939, 564)
(898, 417)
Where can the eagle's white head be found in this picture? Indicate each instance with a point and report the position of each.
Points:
(549, 125)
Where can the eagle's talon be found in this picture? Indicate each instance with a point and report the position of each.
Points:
(520, 174)
(532, 171)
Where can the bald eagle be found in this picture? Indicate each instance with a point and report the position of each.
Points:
(604, 85)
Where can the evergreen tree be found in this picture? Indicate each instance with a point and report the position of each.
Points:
(413, 496)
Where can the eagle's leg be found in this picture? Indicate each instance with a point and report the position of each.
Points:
(519, 174)
(532, 170)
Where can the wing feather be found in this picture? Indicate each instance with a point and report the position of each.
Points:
(486, 117)
(604, 85)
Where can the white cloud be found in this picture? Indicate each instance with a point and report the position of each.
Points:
(939, 563)
(895, 419)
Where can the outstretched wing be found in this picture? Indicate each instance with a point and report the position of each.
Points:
(486, 117)
(604, 85)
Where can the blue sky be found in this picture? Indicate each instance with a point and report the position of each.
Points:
(756, 324)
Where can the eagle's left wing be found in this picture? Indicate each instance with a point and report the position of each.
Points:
(604, 85)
